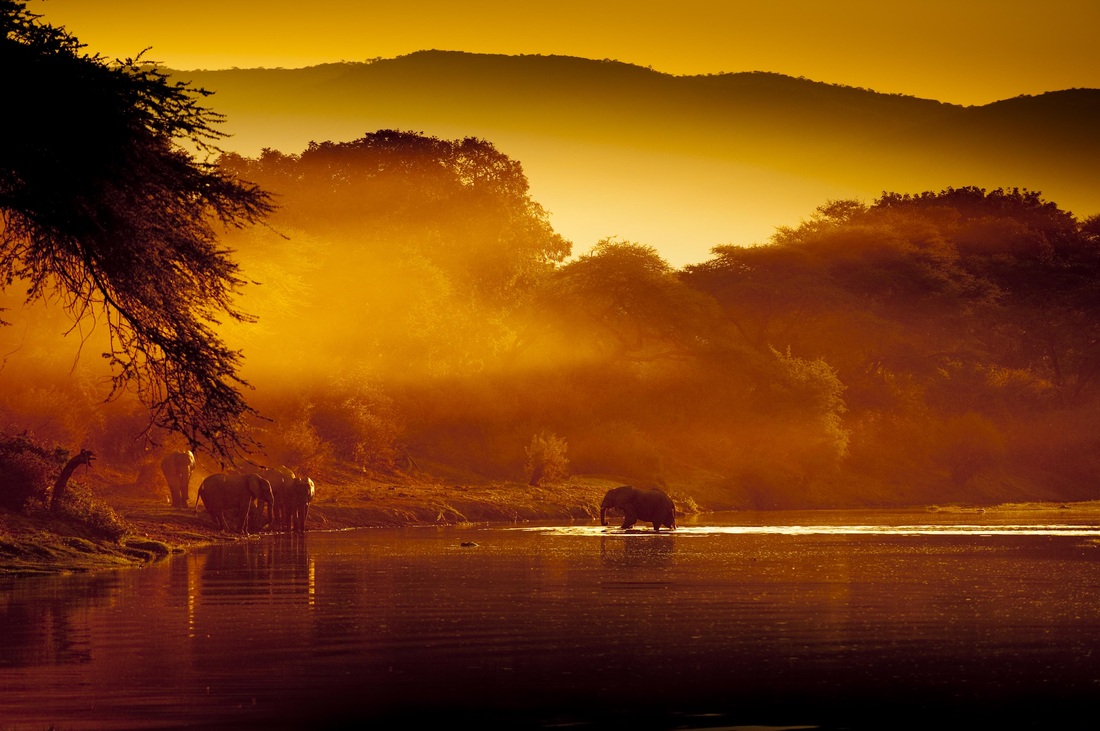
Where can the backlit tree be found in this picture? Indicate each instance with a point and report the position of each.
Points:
(106, 206)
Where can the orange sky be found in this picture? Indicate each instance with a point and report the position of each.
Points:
(966, 52)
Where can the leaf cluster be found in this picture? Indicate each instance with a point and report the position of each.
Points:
(105, 208)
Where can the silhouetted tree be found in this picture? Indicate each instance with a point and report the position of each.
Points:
(106, 207)
(462, 205)
(619, 301)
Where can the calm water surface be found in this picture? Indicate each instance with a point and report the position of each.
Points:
(829, 620)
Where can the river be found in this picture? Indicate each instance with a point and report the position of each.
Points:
(867, 619)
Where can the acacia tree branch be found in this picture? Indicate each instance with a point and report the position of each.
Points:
(104, 206)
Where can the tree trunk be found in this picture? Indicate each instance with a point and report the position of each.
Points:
(62, 484)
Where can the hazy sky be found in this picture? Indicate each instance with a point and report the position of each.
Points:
(961, 51)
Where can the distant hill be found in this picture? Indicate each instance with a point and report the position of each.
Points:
(680, 162)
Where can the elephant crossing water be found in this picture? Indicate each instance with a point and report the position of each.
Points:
(652, 506)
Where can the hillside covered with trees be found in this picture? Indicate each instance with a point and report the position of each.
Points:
(417, 315)
(401, 306)
(683, 163)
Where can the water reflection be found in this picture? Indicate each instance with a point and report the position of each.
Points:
(819, 622)
(653, 549)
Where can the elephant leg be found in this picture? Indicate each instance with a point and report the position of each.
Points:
(242, 526)
(629, 519)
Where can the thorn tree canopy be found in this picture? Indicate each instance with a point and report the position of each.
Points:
(104, 208)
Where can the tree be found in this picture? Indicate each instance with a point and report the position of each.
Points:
(105, 207)
(619, 302)
(461, 205)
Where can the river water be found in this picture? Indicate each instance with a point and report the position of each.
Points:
(824, 620)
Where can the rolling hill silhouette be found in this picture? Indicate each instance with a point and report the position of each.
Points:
(683, 163)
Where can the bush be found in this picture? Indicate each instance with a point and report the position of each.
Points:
(358, 420)
(101, 521)
(546, 458)
(289, 438)
(27, 470)
(969, 444)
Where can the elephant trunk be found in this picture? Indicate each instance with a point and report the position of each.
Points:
(603, 515)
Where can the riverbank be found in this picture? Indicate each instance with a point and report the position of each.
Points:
(40, 543)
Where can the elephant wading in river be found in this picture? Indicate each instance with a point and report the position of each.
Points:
(651, 506)
(177, 468)
(225, 493)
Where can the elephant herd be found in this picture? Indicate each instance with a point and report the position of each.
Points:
(271, 497)
(277, 498)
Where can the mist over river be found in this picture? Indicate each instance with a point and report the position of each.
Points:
(865, 619)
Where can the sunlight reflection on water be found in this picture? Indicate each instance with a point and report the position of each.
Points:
(804, 530)
(827, 619)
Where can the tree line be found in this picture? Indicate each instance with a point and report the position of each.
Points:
(407, 307)
(938, 346)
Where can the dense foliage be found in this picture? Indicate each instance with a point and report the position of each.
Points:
(418, 314)
(105, 208)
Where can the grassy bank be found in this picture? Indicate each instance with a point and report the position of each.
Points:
(41, 543)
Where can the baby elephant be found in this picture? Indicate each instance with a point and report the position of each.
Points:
(652, 506)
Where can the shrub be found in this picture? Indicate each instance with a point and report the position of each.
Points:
(122, 433)
(97, 517)
(361, 423)
(546, 458)
(289, 438)
(27, 470)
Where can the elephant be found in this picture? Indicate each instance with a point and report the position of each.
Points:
(651, 506)
(280, 478)
(223, 493)
(299, 496)
(177, 468)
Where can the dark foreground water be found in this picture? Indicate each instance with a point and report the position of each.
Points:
(829, 620)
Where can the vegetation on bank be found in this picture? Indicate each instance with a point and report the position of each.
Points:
(409, 324)
(111, 522)
(114, 515)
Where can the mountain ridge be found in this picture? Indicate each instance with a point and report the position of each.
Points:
(681, 162)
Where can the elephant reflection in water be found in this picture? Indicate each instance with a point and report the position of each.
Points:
(647, 549)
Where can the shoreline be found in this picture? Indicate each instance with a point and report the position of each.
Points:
(42, 545)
